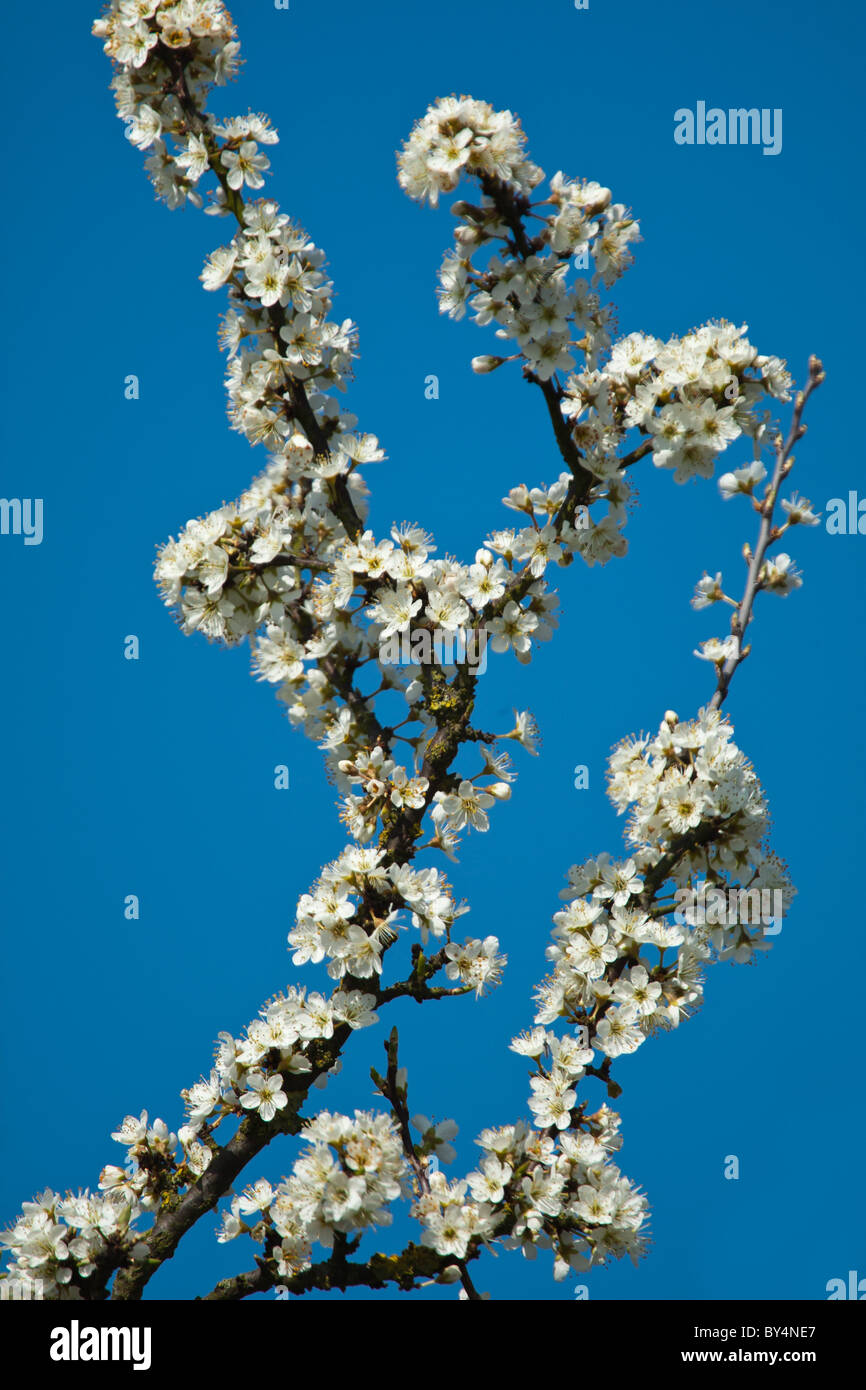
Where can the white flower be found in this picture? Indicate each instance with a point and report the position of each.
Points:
(550, 1106)
(530, 1044)
(799, 511)
(719, 649)
(538, 547)
(489, 1182)
(194, 158)
(779, 576)
(475, 963)
(742, 480)
(446, 609)
(636, 989)
(467, 806)
(203, 1098)
(617, 1034)
(525, 732)
(707, 591)
(395, 608)
(683, 805)
(406, 790)
(619, 882)
(512, 630)
(265, 1094)
(244, 165)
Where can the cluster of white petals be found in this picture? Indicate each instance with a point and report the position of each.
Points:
(338, 615)
(57, 1236)
(625, 962)
(327, 928)
(554, 1192)
(344, 1181)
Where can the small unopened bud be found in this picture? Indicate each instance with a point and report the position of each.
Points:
(500, 790)
(671, 718)
(599, 202)
(486, 363)
(449, 1275)
(519, 498)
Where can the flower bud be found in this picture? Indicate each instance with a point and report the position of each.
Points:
(518, 498)
(486, 363)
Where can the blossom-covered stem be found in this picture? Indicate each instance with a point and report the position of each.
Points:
(181, 1212)
(554, 1183)
(767, 533)
(582, 480)
(340, 499)
(702, 836)
(226, 1164)
(453, 705)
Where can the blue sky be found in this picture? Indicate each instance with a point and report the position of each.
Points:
(155, 777)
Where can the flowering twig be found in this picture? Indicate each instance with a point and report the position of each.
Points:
(291, 567)
(767, 535)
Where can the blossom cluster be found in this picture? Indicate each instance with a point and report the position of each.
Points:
(689, 397)
(151, 42)
(696, 812)
(289, 566)
(464, 136)
(65, 1241)
(344, 1181)
(331, 924)
(57, 1237)
(532, 1191)
(692, 396)
(293, 567)
(556, 1192)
